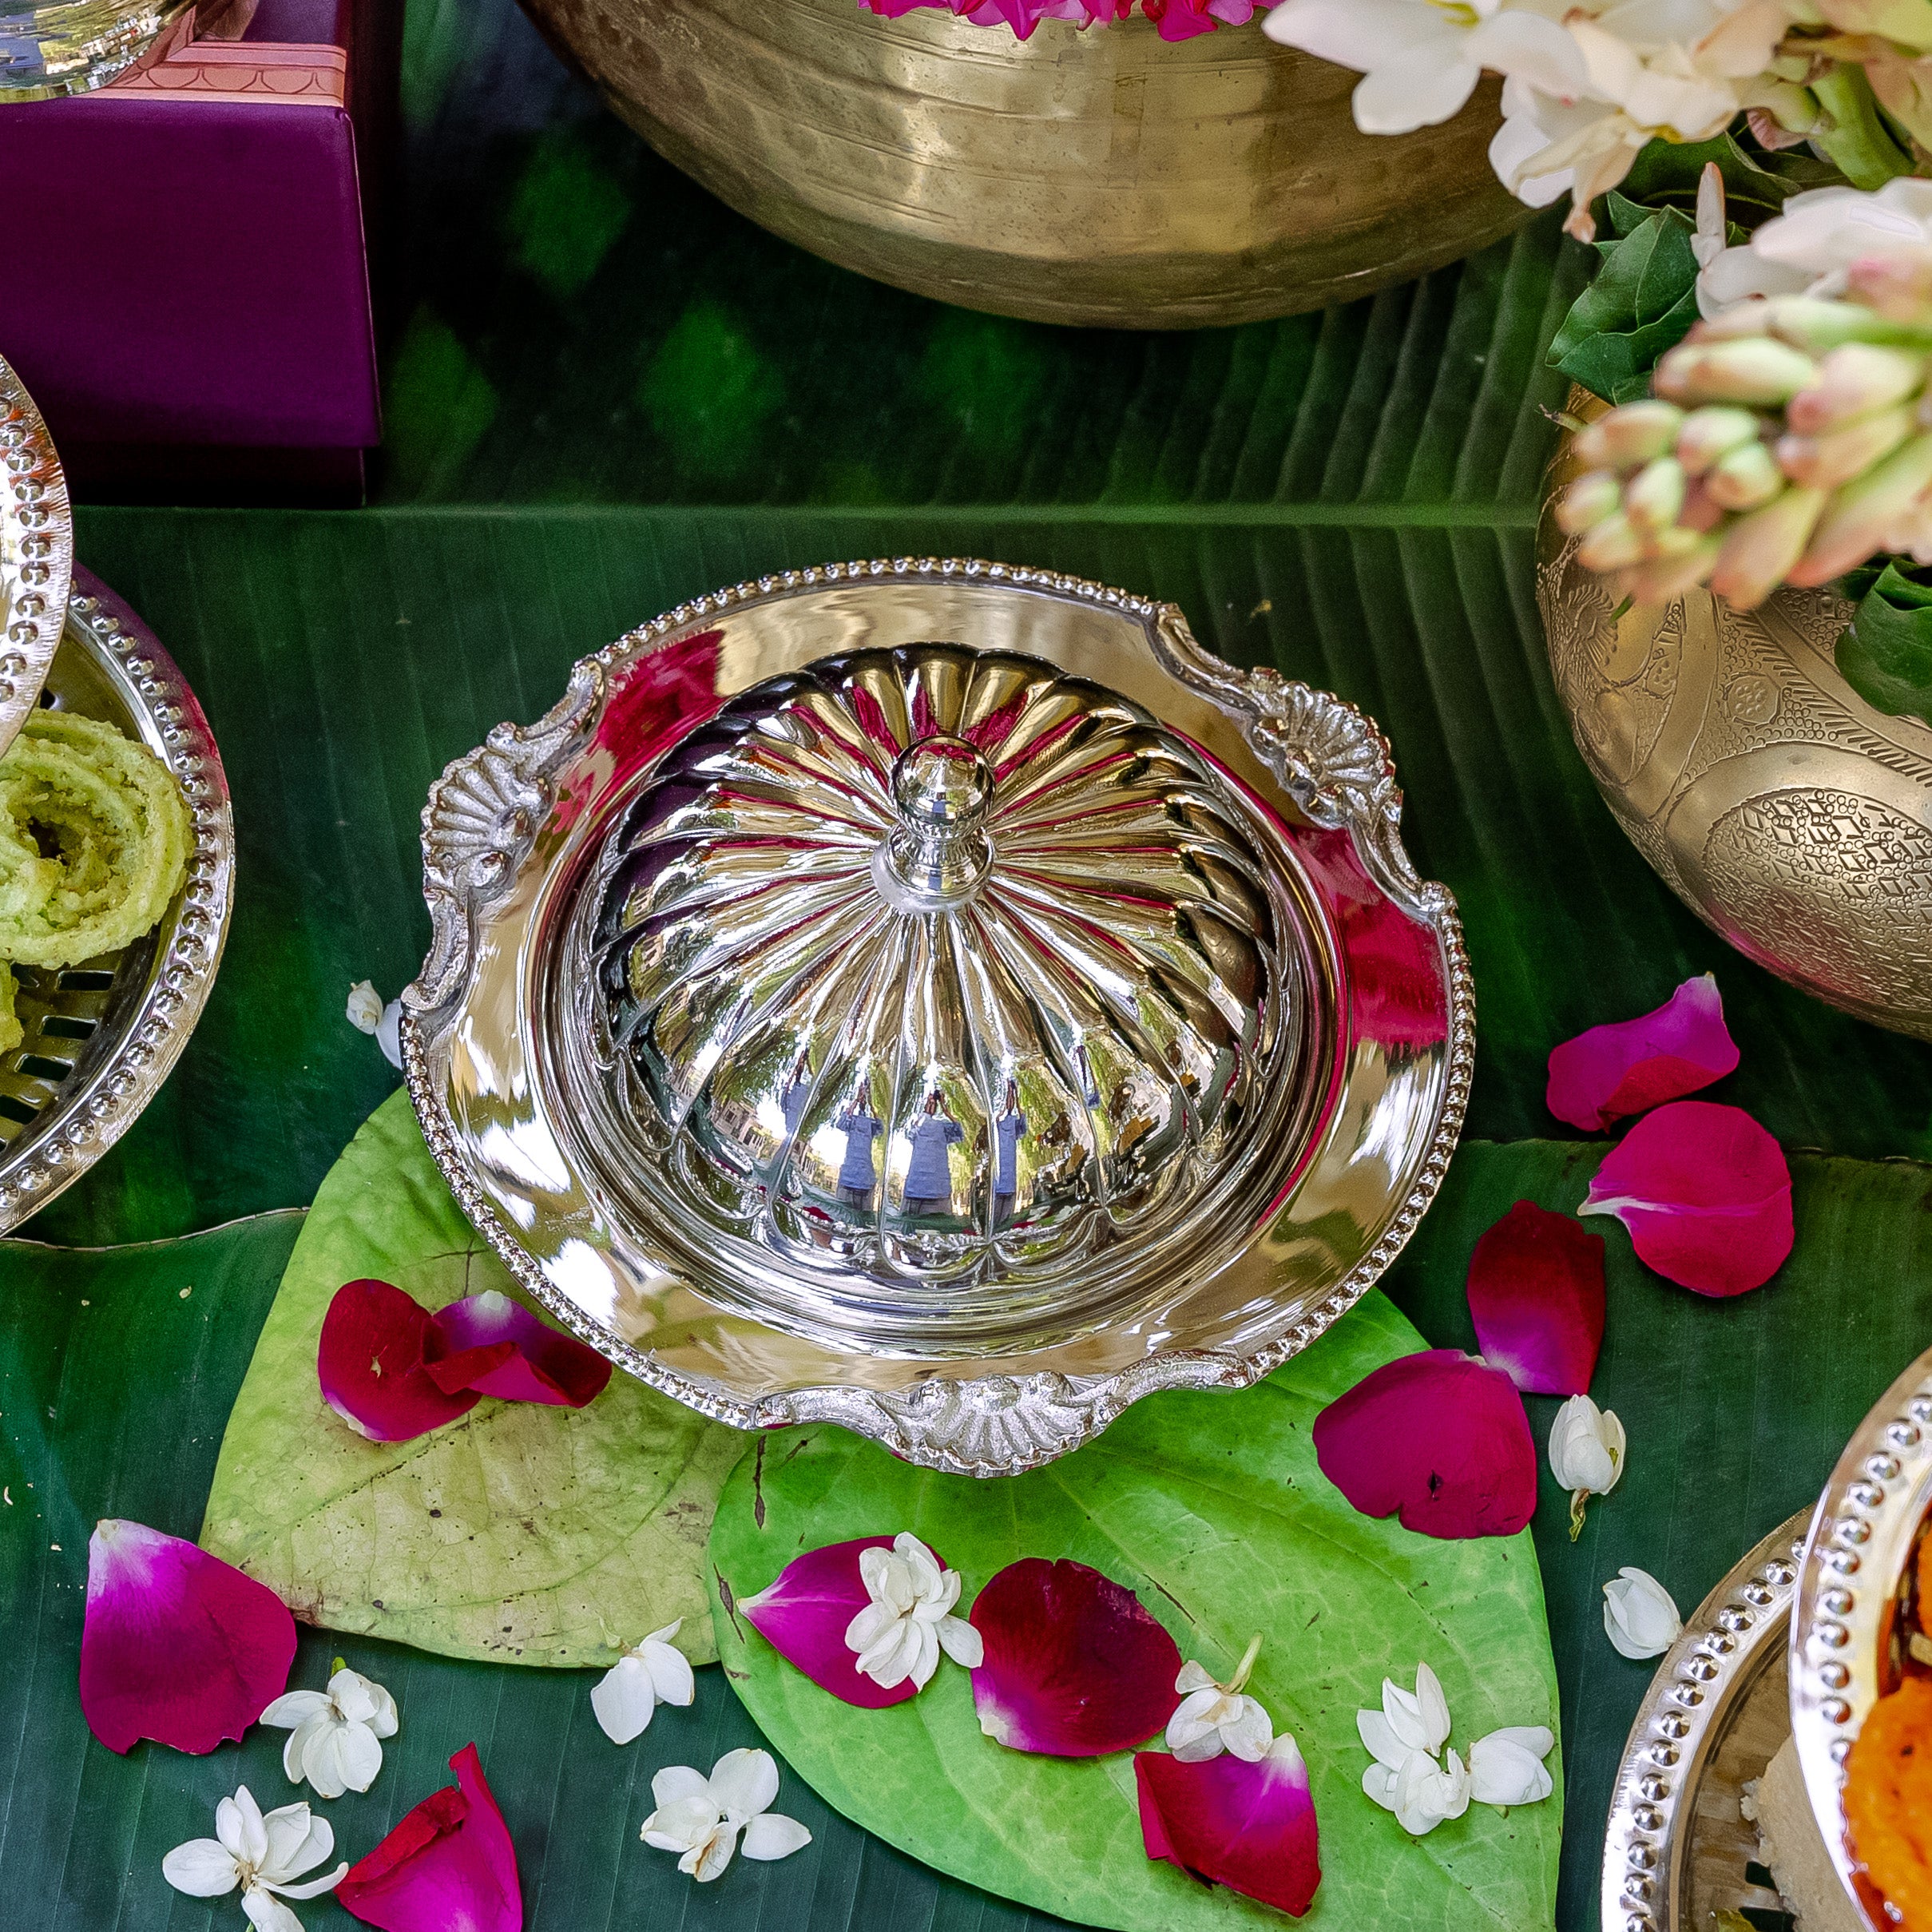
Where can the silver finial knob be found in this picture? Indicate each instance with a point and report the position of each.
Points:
(939, 852)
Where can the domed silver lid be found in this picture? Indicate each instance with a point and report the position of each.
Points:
(939, 987)
(939, 999)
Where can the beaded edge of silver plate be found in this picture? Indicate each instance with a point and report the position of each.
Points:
(1861, 1539)
(1329, 757)
(36, 553)
(1679, 1728)
(153, 1021)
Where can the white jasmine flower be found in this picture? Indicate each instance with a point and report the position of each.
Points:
(262, 1854)
(1420, 59)
(389, 1033)
(1214, 1717)
(1506, 1767)
(1421, 1792)
(1586, 1454)
(334, 1735)
(365, 1007)
(656, 1673)
(1680, 70)
(900, 1633)
(1807, 248)
(1409, 1721)
(1639, 1615)
(700, 1818)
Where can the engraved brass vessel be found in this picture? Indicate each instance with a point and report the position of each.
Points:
(1103, 177)
(52, 47)
(939, 999)
(1786, 812)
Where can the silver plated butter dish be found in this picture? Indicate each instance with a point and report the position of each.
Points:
(937, 998)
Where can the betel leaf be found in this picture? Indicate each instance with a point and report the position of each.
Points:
(1211, 1508)
(1642, 301)
(521, 1532)
(1756, 184)
(1885, 652)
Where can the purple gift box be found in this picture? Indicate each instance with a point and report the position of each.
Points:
(192, 315)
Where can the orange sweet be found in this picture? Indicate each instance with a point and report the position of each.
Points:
(1888, 1800)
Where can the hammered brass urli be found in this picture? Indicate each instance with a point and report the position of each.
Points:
(1097, 177)
(1783, 810)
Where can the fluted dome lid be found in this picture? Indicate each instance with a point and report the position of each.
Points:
(928, 969)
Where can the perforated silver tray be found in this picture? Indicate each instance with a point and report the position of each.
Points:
(101, 1037)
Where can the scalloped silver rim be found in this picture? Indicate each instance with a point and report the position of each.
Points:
(97, 1109)
(1861, 1538)
(34, 583)
(1679, 1724)
(1365, 801)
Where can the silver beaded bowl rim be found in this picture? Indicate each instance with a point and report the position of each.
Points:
(1098, 1400)
(35, 511)
(99, 1107)
(1679, 1726)
(1861, 1539)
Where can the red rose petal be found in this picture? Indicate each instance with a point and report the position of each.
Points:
(1633, 1066)
(177, 1645)
(1706, 1194)
(370, 1364)
(1535, 1290)
(1438, 1436)
(1074, 1666)
(449, 1867)
(510, 1354)
(804, 1614)
(1250, 1827)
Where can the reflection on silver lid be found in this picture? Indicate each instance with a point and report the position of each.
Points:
(924, 970)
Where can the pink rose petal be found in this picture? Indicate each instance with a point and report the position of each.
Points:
(370, 1364)
(804, 1616)
(1439, 1438)
(1536, 1290)
(1250, 1827)
(1706, 1195)
(177, 1645)
(1633, 1066)
(449, 1867)
(532, 1361)
(1074, 1666)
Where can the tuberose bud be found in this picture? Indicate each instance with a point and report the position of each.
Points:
(1628, 435)
(1746, 478)
(1757, 553)
(1711, 434)
(1855, 378)
(1755, 370)
(1838, 455)
(1587, 501)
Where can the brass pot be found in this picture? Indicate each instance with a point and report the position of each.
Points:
(1100, 177)
(1773, 800)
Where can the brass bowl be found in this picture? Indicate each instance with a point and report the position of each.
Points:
(1099, 177)
(1784, 810)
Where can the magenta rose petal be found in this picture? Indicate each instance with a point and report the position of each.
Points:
(1439, 1439)
(1536, 1290)
(448, 1864)
(1706, 1194)
(176, 1645)
(804, 1614)
(1074, 1666)
(539, 1363)
(370, 1364)
(1632, 1065)
(1249, 1826)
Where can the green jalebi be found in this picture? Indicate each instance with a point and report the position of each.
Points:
(93, 844)
(10, 1033)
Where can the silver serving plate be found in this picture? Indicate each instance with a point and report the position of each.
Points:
(36, 553)
(939, 999)
(1848, 1629)
(101, 1037)
(1678, 1849)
